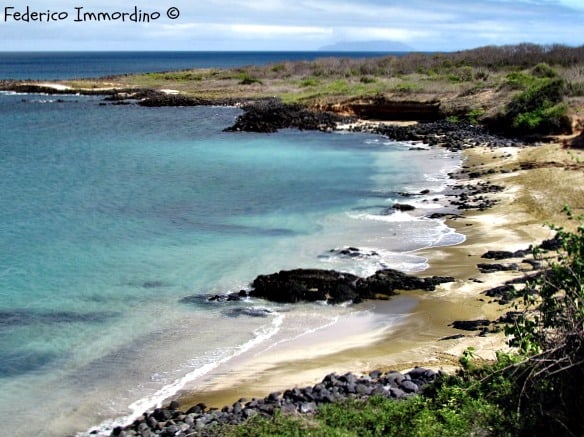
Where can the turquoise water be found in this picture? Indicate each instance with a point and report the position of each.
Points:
(111, 215)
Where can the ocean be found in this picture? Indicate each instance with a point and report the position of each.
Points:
(71, 65)
(118, 221)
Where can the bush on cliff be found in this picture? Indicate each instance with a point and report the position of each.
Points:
(538, 108)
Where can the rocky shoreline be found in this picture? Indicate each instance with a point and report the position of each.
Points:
(338, 287)
(325, 285)
(202, 421)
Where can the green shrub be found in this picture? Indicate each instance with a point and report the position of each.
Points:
(551, 119)
(451, 411)
(519, 80)
(309, 81)
(474, 115)
(406, 87)
(246, 79)
(550, 335)
(367, 79)
(278, 68)
(338, 87)
(544, 70)
(539, 108)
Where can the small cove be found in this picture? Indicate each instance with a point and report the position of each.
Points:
(117, 213)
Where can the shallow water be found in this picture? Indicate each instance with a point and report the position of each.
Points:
(113, 214)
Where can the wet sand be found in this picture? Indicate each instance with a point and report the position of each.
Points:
(419, 320)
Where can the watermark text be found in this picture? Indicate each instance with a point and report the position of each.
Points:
(82, 14)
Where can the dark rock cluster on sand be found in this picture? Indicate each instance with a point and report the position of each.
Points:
(201, 421)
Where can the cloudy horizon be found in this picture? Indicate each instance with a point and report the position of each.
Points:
(257, 25)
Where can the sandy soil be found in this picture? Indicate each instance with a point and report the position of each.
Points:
(530, 198)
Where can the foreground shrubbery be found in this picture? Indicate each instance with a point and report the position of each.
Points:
(537, 391)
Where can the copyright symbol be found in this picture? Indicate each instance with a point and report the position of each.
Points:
(173, 13)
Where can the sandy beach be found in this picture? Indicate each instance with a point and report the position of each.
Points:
(409, 330)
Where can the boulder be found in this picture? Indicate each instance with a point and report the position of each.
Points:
(305, 285)
(470, 325)
(491, 268)
(505, 293)
(385, 283)
(291, 286)
(403, 207)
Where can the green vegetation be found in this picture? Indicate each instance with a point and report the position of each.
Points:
(310, 81)
(536, 391)
(450, 412)
(550, 333)
(492, 85)
(246, 79)
(539, 106)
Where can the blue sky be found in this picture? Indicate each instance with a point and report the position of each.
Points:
(431, 25)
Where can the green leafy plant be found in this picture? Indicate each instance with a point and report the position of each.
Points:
(309, 81)
(246, 79)
(539, 109)
(549, 334)
(467, 357)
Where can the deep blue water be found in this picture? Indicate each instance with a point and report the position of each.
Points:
(68, 65)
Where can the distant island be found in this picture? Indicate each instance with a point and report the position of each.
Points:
(367, 46)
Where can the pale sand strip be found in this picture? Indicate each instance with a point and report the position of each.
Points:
(529, 199)
(55, 86)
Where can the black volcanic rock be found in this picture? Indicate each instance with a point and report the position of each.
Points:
(271, 115)
(403, 207)
(452, 135)
(491, 268)
(336, 287)
(305, 285)
(470, 325)
(200, 421)
(505, 293)
(385, 283)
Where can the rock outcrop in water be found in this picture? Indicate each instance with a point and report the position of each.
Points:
(291, 286)
(313, 285)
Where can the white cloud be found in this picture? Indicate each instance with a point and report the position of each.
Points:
(267, 30)
(378, 13)
(245, 31)
(307, 24)
(379, 33)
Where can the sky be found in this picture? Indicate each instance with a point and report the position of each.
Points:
(424, 25)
